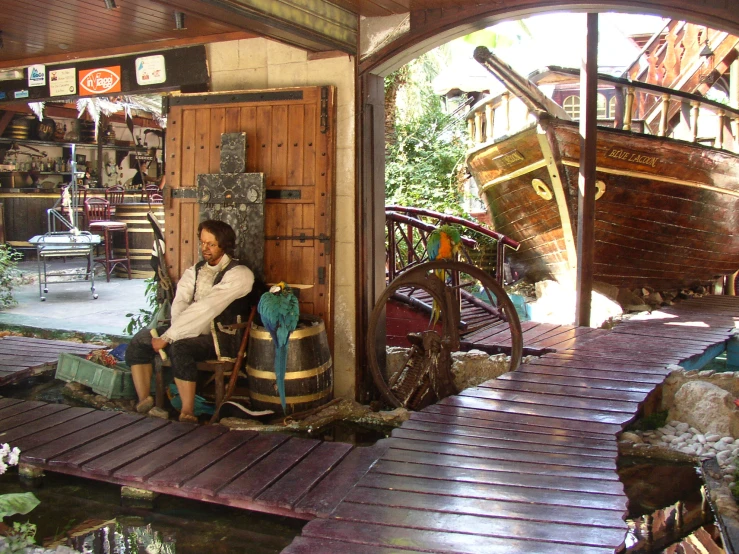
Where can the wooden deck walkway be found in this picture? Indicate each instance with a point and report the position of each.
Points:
(21, 357)
(525, 463)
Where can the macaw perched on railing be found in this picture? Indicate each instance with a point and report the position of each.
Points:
(280, 312)
(443, 243)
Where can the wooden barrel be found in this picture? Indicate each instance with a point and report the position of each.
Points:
(309, 380)
(140, 237)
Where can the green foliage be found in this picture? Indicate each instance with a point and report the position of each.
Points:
(22, 536)
(425, 160)
(651, 422)
(17, 503)
(144, 316)
(8, 271)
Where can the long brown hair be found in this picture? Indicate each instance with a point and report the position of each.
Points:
(223, 232)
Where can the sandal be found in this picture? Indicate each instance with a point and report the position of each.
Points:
(187, 418)
(145, 405)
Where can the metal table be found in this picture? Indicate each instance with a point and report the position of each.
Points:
(65, 245)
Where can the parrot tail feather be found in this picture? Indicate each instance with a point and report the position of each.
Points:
(280, 370)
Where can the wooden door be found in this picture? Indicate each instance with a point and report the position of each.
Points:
(291, 139)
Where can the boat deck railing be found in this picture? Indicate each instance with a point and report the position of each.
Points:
(682, 115)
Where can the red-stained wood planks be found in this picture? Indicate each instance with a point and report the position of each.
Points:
(22, 357)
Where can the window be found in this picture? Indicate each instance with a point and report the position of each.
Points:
(571, 105)
(612, 107)
(602, 106)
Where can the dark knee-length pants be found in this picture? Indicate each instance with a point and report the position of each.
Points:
(184, 353)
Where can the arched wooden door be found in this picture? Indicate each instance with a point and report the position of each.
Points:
(291, 140)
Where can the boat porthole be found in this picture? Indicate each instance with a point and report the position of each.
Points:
(541, 189)
(601, 189)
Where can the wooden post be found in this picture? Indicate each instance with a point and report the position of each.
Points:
(478, 128)
(694, 113)
(506, 105)
(664, 115)
(489, 121)
(370, 223)
(586, 179)
(721, 122)
(628, 110)
(734, 100)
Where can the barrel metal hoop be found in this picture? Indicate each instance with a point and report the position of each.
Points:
(290, 399)
(261, 374)
(262, 334)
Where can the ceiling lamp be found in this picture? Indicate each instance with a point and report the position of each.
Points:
(110, 4)
(179, 21)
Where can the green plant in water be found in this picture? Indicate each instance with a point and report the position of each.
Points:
(144, 316)
(8, 271)
(650, 422)
(22, 534)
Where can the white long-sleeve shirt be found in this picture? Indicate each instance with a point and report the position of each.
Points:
(191, 316)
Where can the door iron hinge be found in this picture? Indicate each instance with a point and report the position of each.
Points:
(324, 110)
(321, 275)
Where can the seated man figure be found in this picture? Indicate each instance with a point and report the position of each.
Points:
(213, 289)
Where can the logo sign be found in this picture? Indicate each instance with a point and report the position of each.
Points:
(36, 75)
(21, 94)
(150, 70)
(62, 82)
(100, 80)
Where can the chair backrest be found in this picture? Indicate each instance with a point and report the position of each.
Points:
(147, 191)
(97, 209)
(156, 198)
(114, 195)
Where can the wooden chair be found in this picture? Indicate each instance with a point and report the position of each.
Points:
(97, 214)
(147, 191)
(219, 369)
(115, 195)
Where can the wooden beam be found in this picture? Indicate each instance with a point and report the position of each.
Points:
(586, 178)
(134, 49)
(255, 21)
(370, 226)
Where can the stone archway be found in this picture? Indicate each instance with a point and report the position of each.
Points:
(429, 28)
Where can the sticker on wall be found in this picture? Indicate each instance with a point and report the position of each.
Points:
(150, 70)
(62, 82)
(37, 75)
(100, 81)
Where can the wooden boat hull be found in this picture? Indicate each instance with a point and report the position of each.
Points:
(667, 216)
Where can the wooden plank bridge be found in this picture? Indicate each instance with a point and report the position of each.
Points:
(523, 463)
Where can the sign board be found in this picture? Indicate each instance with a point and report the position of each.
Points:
(37, 75)
(167, 70)
(62, 82)
(151, 70)
(101, 80)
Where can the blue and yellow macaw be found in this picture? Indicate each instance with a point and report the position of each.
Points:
(443, 243)
(280, 312)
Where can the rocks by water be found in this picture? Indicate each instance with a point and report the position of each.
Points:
(685, 439)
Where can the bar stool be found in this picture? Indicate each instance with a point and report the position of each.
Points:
(97, 212)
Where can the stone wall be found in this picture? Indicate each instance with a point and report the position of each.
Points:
(260, 63)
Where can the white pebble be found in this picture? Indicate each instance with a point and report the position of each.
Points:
(700, 438)
(712, 437)
(723, 457)
(694, 431)
(686, 436)
(682, 427)
(673, 423)
(668, 438)
(687, 450)
(722, 447)
(727, 440)
(668, 429)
